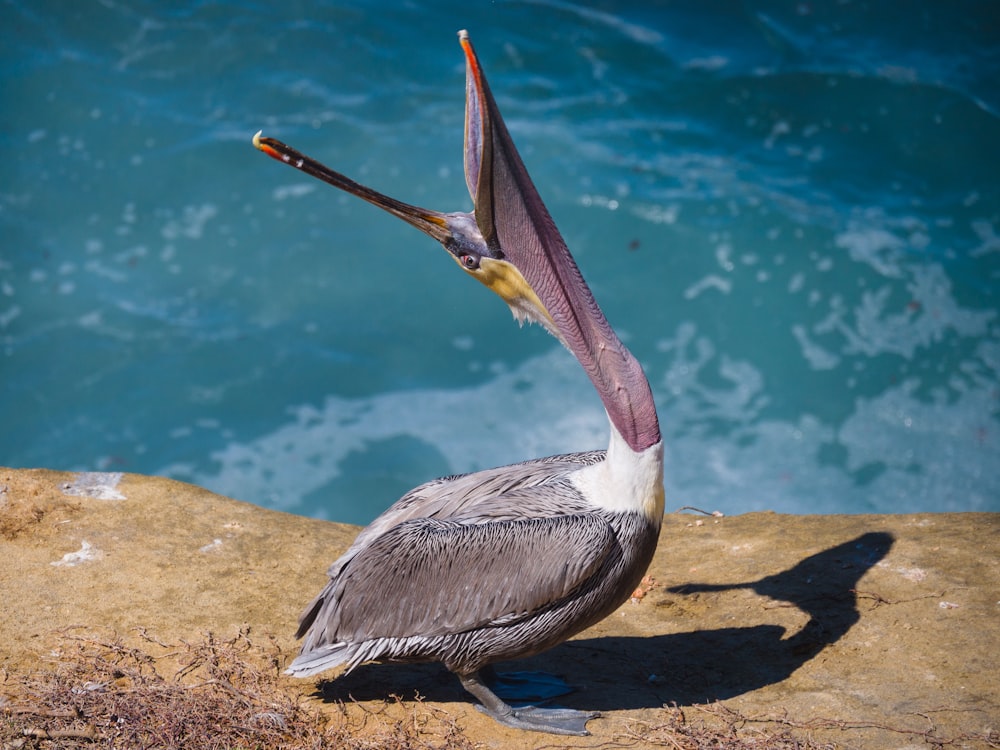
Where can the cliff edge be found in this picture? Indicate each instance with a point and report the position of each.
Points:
(844, 631)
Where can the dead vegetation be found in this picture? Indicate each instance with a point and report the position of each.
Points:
(99, 692)
(94, 691)
(781, 732)
(22, 512)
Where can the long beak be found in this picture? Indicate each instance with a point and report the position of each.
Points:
(511, 245)
(430, 222)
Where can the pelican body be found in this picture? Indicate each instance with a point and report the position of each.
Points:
(479, 568)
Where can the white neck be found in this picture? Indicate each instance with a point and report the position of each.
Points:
(626, 481)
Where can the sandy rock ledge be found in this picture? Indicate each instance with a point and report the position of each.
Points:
(857, 631)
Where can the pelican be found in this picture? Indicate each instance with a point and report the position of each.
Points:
(475, 569)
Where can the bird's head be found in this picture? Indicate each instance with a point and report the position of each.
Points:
(510, 243)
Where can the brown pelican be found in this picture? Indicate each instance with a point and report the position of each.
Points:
(474, 569)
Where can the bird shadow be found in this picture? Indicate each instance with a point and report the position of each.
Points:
(698, 666)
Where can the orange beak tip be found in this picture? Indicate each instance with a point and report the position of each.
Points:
(262, 144)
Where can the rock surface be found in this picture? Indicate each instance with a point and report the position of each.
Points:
(861, 631)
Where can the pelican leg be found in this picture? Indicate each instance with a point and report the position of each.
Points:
(533, 718)
(524, 686)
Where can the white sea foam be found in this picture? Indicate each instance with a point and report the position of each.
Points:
(711, 281)
(475, 428)
(295, 190)
(896, 447)
(191, 223)
(818, 357)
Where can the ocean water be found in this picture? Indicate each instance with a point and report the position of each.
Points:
(789, 210)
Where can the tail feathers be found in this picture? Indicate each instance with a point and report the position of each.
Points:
(321, 659)
(309, 614)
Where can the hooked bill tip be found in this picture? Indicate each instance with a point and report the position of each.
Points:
(463, 35)
(267, 145)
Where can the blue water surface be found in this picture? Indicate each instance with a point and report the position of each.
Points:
(789, 211)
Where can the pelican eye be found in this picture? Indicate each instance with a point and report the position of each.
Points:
(469, 261)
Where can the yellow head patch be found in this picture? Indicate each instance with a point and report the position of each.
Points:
(504, 279)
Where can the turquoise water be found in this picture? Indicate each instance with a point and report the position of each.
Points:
(790, 212)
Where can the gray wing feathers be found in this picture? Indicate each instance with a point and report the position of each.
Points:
(427, 577)
(479, 497)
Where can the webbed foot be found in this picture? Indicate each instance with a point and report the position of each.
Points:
(551, 720)
(532, 718)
